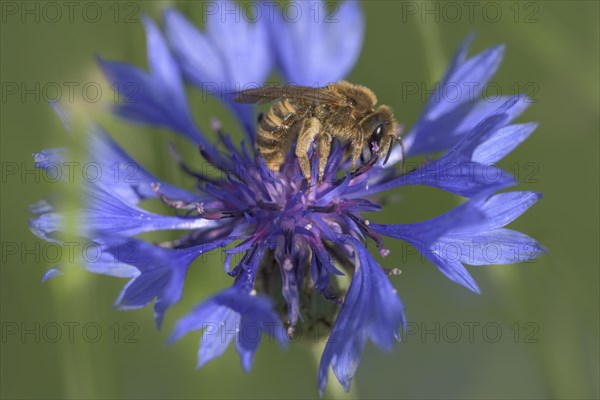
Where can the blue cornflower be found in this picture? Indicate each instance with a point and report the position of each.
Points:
(285, 239)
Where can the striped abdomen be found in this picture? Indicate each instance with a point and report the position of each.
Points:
(277, 130)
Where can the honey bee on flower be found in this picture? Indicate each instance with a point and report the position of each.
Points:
(289, 217)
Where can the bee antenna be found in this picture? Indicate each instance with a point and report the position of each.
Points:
(389, 152)
(399, 140)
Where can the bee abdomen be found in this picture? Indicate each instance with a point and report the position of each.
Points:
(273, 131)
(279, 118)
(274, 156)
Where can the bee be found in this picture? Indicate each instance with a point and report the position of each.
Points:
(341, 110)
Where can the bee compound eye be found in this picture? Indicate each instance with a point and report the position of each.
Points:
(378, 132)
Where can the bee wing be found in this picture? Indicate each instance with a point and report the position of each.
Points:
(270, 93)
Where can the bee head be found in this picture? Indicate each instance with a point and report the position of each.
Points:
(379, 130)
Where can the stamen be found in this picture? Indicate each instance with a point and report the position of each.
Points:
(268, 206)
(364, 226)
(217, 214)
(290, 332)
(216, 126)
(392, 271)
(212, 157)
(324, 209)
(403, 162)
(199, 207)
(178, 204)
(185, 167)
(249, 255)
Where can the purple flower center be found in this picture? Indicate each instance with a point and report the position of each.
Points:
(300, 225)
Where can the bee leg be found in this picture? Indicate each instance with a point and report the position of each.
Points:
(309, 130)
(356, 152)
(324, 150)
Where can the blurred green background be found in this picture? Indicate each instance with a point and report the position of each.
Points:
(547, 310)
